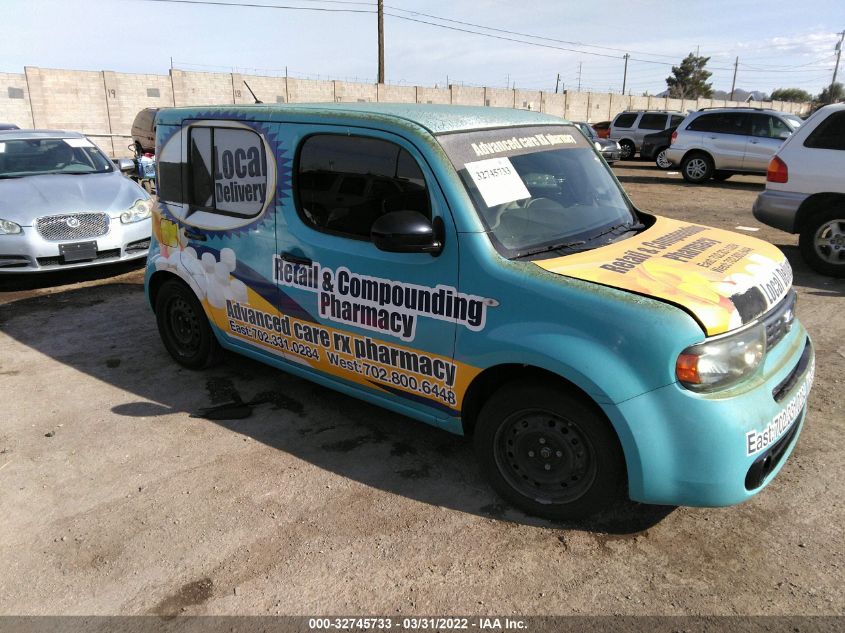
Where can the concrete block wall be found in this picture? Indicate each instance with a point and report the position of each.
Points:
(310, 91)
(103, 104)
(467, 95)
(15, 106)
(348, 92)
(386, 93)
(434, 95)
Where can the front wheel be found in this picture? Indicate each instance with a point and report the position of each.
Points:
(661, 161)
(184, 327)
(548, 452)
(822, 241)
(697, 168)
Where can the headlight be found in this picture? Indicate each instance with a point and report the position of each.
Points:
(597, 145)
(722, 362)
(140, 210)
(7, 227)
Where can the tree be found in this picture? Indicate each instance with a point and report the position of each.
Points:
(791, 94)
(838, 94)
(689, 80)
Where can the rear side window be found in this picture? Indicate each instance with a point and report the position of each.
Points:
(721, 122)
(768, 126)
(227, 170)
(625, 120)
(344, 183)
(830, 133)
(676, 120)
(653, 122)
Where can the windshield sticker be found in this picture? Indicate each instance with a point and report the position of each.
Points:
(497, 181)
(381, 305)
(524, 142)
(78, 142)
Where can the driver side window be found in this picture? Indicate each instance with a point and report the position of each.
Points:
(344, 183)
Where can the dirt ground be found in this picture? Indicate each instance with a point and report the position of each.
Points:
(116, 500)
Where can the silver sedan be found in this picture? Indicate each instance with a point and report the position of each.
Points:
(63, 204)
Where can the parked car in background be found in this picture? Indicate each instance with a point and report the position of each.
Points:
(64, 204)
(719, 142)
(8, 126)
(629, 127)
(602, 129)
(610, 150)
(144, 132)
(655, 145)
(805, 190)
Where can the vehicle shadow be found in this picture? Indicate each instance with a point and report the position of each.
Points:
(36, 281)
(662, 178)
(332, 431)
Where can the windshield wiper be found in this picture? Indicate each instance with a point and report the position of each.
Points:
(546, 249)
(637, 226)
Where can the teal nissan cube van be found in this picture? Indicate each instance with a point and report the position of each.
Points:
(482, 270)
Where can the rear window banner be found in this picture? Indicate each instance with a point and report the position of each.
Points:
(497, 181)
(724, 279)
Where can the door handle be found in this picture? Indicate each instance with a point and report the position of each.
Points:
(192, 235)
(297, 259)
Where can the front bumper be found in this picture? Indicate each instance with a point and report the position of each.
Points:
(28, 252)
(611, 156)
(685, 448)
(778, 209)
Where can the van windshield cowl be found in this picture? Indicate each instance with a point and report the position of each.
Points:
(540, 190)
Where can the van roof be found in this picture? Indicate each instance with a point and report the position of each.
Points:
(437, 119)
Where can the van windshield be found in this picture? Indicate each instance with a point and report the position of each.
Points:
(39, 156)
(540, 189)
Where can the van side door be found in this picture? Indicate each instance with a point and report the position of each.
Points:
(382, 323)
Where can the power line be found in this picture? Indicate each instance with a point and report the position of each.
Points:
(255, 5)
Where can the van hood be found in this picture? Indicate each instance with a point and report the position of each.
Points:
(723, 279)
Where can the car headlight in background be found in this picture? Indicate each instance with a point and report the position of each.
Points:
(597, 145)
(722, 362)
(140, 210)
(7, 227)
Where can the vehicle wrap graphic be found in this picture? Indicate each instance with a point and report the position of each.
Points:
(723, 279)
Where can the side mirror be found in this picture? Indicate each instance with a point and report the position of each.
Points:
(784, 135)
(126, 164)
(405, 232)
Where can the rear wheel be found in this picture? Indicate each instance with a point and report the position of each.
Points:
(628, 150)
(184, 327)
(660, 159)
(548, 452)
(822, 241)
(697, 168)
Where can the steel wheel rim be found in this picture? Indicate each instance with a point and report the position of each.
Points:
(183, 326)
(544, 456)
(662, 161)
(829, 242)
(696, 168)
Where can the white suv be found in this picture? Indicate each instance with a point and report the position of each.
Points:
(628, 128)
(805, 190)
(718, 142)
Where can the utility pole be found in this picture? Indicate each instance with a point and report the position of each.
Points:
(733, 83)
(579, 76)
(381, 41)
(836, 68)
(557, 83)
(625, 76)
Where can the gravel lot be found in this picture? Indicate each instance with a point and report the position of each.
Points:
(116, 500)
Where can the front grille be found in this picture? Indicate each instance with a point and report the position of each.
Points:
(13, 261)
(139, 245)
(57, 261)
(72, 226)
(779, 322)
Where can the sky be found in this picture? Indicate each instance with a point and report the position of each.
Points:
(779, 43)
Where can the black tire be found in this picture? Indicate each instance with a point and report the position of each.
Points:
(822, 241)
(183, 326)
(722, 176)
(697, 168)
(660, 159)
(549, 452)
(628, 150)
